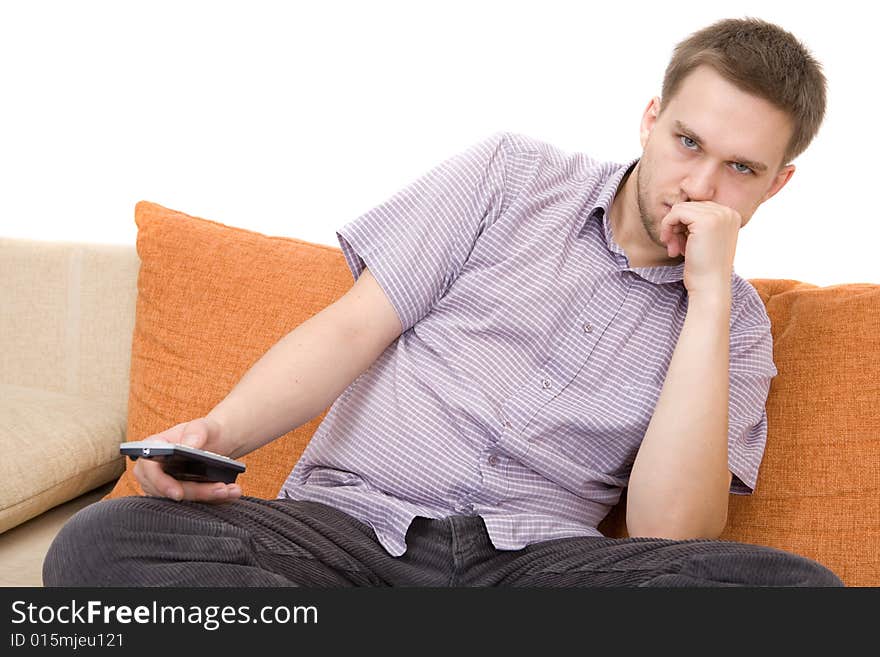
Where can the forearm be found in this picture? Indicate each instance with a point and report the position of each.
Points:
(301, 375)
(679, 483)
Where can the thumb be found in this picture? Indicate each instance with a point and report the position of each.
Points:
(195, 434)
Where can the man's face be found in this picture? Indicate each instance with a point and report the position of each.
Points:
(712, 142)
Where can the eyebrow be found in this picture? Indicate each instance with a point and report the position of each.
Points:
(687, 132)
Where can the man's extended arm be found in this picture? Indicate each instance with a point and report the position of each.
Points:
(303, 373)
(307, 369)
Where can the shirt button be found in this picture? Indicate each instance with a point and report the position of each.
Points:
(546, 383)
(508, 425)
(493, 460)
(588, 328)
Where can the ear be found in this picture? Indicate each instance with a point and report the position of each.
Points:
(649, 119)
(779, 181)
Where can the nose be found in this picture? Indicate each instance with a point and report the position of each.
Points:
(699, 184)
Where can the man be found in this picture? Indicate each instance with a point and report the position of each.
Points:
(529, 332)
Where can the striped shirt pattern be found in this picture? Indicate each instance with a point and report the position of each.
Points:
(531, 359)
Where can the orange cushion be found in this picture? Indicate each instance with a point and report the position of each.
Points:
(212, 299)
(818, 491)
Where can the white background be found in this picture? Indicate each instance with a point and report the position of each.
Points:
(293, 118)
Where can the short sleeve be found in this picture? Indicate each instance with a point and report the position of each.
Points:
(416, 243)
(751, 370)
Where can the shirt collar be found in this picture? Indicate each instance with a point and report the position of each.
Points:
(601, 211)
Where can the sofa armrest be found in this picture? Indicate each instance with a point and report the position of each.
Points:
(67, 313)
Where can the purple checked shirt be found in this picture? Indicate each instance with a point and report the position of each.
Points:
(531, 359)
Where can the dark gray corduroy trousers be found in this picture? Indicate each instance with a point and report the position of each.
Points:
(149, 541)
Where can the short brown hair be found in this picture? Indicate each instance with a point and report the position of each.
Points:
(762, 59)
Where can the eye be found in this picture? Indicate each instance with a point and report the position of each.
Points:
(687, 142)
(745, 170)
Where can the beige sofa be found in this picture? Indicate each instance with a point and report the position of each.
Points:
(67, 311)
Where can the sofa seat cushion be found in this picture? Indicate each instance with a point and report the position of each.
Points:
(55, 447)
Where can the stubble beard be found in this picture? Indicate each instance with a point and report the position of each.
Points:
(648, 222)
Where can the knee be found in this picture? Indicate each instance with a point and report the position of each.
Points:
(812, 573)
(792, 569)
(761, 566)
(79, 553)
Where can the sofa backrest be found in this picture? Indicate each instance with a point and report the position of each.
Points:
(66, 317)
(212, 299)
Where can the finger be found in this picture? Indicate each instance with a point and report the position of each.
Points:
(185, 433)
(155, 481)
(195, 434)
(213, 492)
(669, 224)
(664, 229)
(683, 214)
(171, 435)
